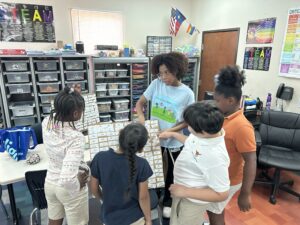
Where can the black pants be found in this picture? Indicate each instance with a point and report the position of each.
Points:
(167, 200)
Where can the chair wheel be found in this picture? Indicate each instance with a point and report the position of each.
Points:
(272, 200)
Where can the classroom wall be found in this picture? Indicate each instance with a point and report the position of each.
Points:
(216, 14)
(141, 18)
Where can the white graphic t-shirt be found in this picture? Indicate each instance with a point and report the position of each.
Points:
(167, 106)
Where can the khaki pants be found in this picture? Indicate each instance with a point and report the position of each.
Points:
(218, 207)
(139, 222)
(61, 204)
(185, 212)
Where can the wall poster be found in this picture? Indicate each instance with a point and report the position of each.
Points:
(261, 31)
(257, 58)
(26, 23)
(290, 55)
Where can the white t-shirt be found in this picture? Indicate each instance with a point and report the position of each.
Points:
(167, 104)
(203, 163)
(65, 149)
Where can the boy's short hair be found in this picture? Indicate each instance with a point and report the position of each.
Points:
(204, 116)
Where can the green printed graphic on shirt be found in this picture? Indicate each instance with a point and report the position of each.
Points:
(164, 108)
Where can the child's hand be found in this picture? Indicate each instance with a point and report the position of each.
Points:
(83, 178)
(244, 202)
(165, 134)
(178, 190)
(148, 222)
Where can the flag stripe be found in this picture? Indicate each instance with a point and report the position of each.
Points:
(176, 20)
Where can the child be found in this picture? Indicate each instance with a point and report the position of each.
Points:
(202, 165)
(239, 139)
(169, 97)
(65, 189)
(123, 177)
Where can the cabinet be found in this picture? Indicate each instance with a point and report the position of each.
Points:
(191, 79)
(119, 83)
(30, 84)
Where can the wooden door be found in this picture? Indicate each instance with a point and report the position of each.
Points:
(219, 48)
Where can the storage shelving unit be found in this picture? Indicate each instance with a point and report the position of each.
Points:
(191, 79)
(30, 83)
(19, 96)
(158, 44)
(119, 83)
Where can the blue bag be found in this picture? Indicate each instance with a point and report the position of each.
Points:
(17, 140)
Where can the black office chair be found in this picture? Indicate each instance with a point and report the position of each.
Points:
(38, 132)
(2, 204)
(280, 148)
(35, 182)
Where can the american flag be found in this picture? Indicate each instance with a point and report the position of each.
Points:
(176, 20)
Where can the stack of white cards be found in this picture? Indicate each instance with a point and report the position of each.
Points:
(91, 113)
(106, 135)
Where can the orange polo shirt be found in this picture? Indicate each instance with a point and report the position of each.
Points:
(239, 138)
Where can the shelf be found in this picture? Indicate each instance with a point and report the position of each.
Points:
(9, 95)
(107, 78)
(111, 111)
(118, 96)
(135, 60)
(23, 117)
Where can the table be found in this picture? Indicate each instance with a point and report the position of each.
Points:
(12, 171)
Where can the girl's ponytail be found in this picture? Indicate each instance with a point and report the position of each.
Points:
(132, 139)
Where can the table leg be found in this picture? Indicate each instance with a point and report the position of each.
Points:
(13, 206)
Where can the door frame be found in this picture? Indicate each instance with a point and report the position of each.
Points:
(216, 31)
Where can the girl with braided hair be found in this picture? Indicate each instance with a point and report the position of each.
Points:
(119, 179)
(65, 185)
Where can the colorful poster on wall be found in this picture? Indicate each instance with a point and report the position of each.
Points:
(290, 55)
(257, 58)
(261, 31)
(26, 23)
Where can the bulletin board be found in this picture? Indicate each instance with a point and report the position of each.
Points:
(26, 23)
(290, 55)
(106, 135)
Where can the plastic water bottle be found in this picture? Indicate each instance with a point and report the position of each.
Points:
(269, 99)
